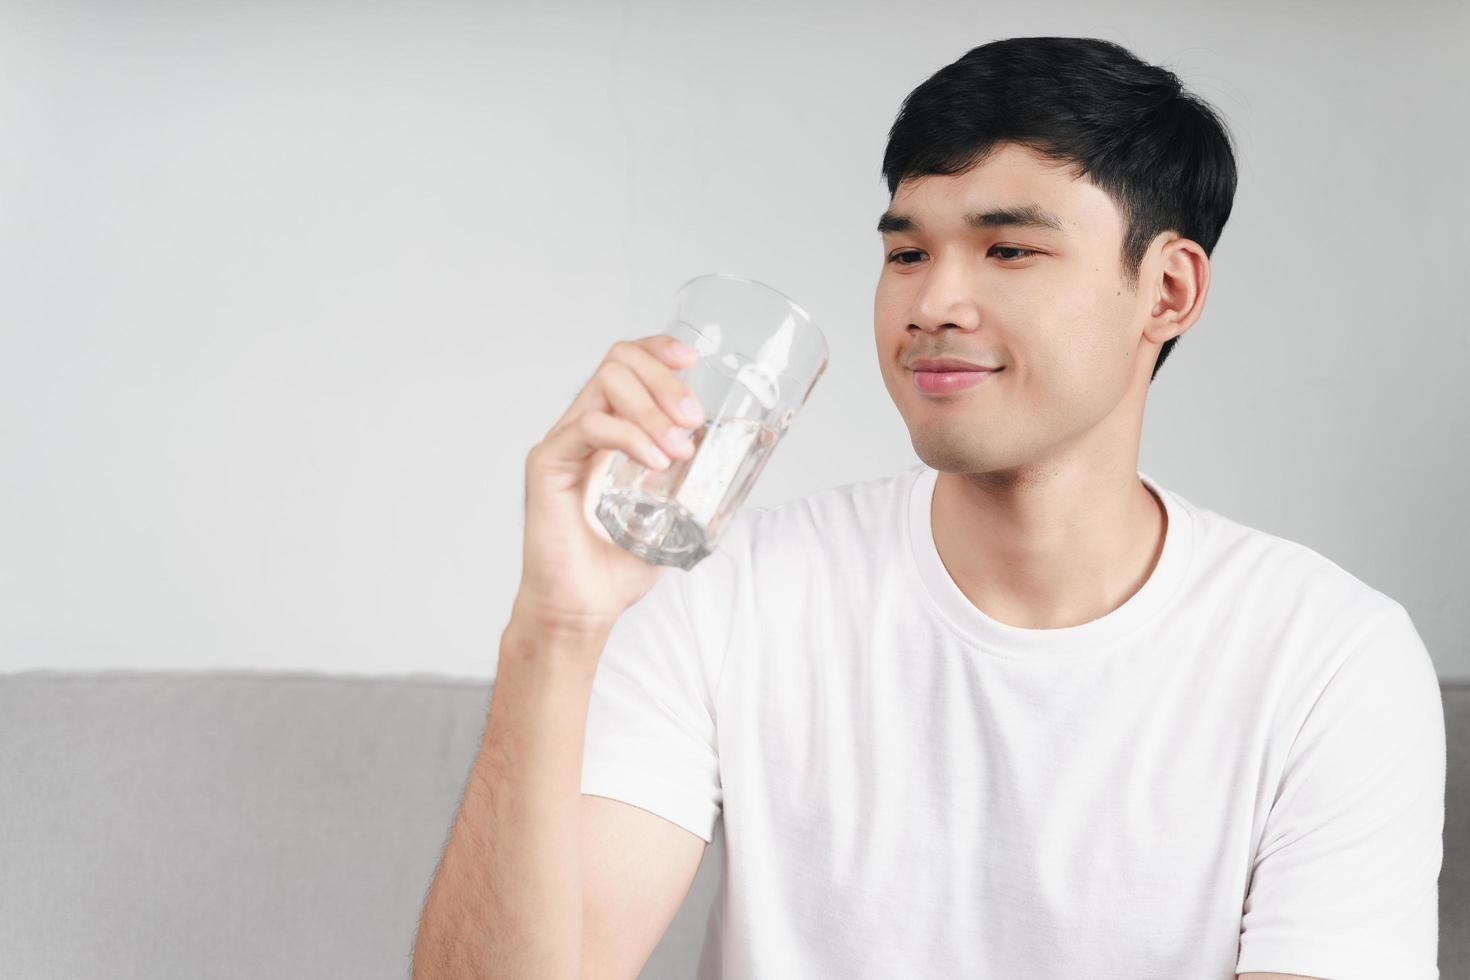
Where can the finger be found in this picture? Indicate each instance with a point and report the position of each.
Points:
(631, 399)
(593, 432)
(659, 351)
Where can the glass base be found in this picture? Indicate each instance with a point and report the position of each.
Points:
(655, 529)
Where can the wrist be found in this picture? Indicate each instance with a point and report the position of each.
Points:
(531, 618)
(551, 640)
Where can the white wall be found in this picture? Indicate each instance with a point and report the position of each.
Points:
(288, 290)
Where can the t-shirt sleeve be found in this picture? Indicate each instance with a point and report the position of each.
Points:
(651, 735)
(1345, 881)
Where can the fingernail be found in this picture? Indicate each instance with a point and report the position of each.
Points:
(689, 408)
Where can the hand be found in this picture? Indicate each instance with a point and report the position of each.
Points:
(574, 577)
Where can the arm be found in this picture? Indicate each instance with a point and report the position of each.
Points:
(636, 871)
(538, 879)
(506, 900)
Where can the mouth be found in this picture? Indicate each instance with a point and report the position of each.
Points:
(949, 364)
(933, 382)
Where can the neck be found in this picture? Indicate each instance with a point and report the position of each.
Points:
(1048, 552)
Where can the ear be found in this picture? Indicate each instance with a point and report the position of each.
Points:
(1178, 286)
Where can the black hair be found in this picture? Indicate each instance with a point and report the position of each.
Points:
(1163, 155)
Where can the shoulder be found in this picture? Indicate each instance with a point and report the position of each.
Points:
(862, 505)
(828, 524)
(1285, 583)
(1300, 627)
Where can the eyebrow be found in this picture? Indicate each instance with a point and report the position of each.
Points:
(1018, 216)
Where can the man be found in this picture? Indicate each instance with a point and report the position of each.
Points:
(1021, 711)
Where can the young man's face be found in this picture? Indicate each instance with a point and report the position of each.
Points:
(1057, 318)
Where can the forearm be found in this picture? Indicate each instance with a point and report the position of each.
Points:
(506, 901)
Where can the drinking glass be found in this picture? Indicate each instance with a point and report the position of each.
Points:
(760, 355)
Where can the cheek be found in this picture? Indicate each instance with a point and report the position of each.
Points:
(1111, 343)
(1077, 352)
(890, 333)
(887, 307)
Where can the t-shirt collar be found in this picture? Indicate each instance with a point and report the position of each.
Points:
(1003, 640)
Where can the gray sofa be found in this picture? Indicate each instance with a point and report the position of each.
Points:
(235, 825)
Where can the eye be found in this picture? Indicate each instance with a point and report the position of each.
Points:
(1020, 253)
(1024, 252)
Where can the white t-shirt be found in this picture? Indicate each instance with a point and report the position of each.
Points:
(1242, 768)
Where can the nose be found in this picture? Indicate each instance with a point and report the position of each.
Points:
(946, 298)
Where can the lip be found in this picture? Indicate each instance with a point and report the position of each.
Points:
(946, 364)
(944, 382)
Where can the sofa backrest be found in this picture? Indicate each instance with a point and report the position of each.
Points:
(238, 825)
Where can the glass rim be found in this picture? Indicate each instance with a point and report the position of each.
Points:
(811, 321)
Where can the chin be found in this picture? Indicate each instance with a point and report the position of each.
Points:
(948, 457)
(962, 451)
